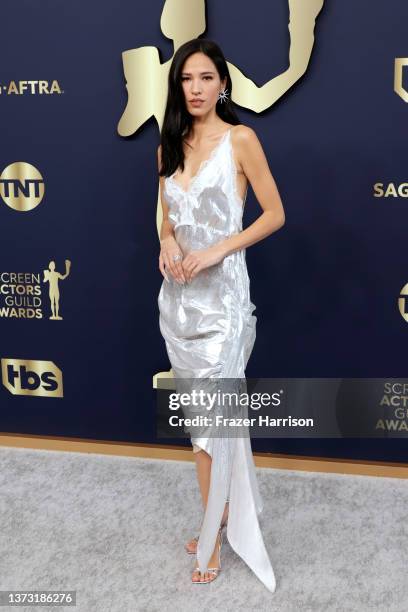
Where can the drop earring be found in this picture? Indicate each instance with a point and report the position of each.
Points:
(223, 95)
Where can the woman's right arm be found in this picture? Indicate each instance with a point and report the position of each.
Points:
(168, 244)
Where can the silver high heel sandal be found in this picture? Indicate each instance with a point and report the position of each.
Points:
(193, 552)
(214, 571)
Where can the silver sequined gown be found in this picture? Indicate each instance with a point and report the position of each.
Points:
(209, 331)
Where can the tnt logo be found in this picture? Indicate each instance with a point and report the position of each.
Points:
(21, 186)
(32, 377)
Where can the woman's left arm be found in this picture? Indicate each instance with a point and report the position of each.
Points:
(250, 155)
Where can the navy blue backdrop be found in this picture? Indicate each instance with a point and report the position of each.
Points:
(325, 286)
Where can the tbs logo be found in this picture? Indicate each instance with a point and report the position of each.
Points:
(32, 377)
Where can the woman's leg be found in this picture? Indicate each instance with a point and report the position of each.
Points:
(203, 467)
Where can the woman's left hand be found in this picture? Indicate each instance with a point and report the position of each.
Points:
(201, 259)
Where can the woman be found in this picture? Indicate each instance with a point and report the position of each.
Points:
(206, 160)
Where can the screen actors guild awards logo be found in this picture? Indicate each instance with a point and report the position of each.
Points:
(22, 293)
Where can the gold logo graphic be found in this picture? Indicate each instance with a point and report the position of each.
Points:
(31, 377)
(182, 20)
(399, 63)
(19, 88)
(402, 301)
(52, 277)
(390, 190)
(21, 293)
(21, 186)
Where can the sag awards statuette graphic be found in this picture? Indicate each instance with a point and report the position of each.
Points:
(21, 293)
(182, 20)
(31, 377)
(52, 277)
(21, 186)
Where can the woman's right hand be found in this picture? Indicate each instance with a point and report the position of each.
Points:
(168, 249)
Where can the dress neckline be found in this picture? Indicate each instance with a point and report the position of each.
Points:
(202, 165)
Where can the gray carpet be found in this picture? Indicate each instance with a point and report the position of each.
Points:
(113, 529)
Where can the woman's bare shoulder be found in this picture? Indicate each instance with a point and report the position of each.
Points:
(243, 139)
(243, 134)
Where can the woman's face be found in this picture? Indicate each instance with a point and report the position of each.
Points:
(200, 81)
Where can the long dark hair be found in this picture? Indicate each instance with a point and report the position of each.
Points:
(177, 120)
